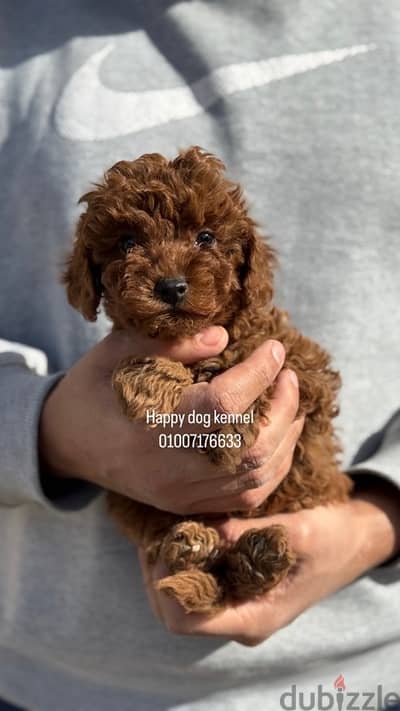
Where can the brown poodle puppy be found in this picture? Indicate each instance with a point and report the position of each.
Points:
(170, 249)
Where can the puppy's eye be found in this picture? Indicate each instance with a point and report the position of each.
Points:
(128, 242)
(205, 239)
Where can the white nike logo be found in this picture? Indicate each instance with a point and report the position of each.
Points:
(89, 111)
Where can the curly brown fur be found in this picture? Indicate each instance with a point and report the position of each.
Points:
(149, 383)
(141, 227)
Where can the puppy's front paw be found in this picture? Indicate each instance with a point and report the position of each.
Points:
(150, 383)
(206, 370)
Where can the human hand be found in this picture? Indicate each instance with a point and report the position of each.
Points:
(84, 434)
(334, 545)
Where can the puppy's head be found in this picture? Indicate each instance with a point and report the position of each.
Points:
(169, 247)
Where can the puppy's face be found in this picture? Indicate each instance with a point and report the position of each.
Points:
(168, 246)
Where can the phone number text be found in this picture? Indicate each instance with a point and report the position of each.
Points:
(211, 440)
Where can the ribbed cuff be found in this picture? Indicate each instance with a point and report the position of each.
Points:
(380, 453)
(379, 456)
(22, 394)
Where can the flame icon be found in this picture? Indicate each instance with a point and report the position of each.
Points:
(339, 682)
(340, 687)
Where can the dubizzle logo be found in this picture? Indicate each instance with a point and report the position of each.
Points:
(340, 687)
(341, 700)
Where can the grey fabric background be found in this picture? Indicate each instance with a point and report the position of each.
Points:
(318, 153)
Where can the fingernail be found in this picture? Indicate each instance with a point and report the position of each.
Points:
(278, 352)
(249, 483)
(211, 336)
(293, 378)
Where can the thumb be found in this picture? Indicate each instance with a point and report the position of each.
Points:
(122, 344)
(205, 344)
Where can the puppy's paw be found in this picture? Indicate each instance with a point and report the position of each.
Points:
(150, 383)
(258, 561)
(194, 590)
(206, 370)
(189, 544)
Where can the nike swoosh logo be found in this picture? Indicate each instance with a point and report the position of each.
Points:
(89, 111)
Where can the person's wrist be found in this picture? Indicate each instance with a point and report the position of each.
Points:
(375, 503)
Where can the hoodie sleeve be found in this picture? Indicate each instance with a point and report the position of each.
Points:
(379, 456)
(380, 453)
(24, 386)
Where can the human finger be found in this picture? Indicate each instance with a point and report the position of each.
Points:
(282, 412)
(250, 489)
(234, 391)
(205, 344)
(121, 344)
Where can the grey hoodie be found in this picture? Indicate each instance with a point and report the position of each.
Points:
(301, 99)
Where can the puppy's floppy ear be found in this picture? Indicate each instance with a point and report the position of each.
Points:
(82, 277)
(256, 272)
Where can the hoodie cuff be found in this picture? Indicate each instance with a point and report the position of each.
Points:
(380, 453)
(379, 456)
(23, 390)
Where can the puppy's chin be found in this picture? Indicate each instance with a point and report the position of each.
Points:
(164, 324)
(177, 325)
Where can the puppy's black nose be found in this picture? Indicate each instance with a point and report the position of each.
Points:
(172, 290)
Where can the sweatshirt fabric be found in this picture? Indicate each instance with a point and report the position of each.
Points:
(301, 100)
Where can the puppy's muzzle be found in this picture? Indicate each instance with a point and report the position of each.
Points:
(172, 290)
